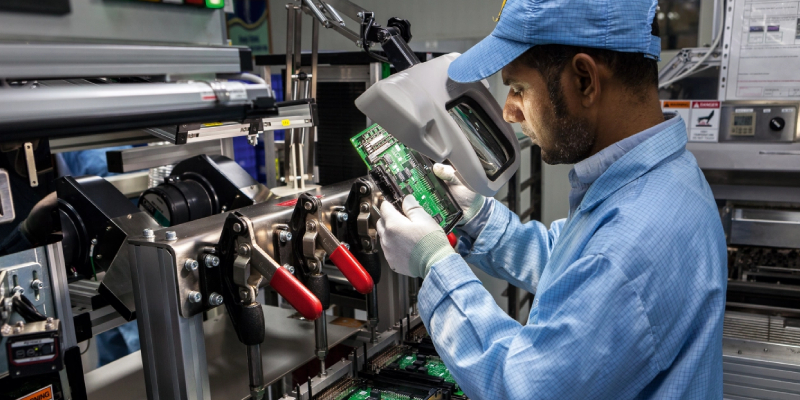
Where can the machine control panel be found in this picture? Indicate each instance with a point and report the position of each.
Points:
(33, 348)
(758, 123)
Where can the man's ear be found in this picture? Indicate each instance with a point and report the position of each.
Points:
(585, 79)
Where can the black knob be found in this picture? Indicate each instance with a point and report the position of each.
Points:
(777, 124)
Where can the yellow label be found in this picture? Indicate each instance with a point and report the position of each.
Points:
(210, 124)
(286, 122)
(41, 394)
(677, 104)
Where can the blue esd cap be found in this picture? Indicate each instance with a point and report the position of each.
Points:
(618, 25)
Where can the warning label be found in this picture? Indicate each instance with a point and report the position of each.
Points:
(700, 116)
(293, 202)
(41, 394)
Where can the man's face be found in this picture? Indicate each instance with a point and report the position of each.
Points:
(542, 110)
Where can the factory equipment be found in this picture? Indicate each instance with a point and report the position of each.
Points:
(210, 235)
(739, 101)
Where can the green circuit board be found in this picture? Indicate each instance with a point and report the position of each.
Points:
(400, 171)
(366, 394)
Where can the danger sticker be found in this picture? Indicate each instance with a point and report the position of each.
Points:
(293, 202)
(705, 104)
(41, 394)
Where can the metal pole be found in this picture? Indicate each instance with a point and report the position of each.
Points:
(256, 373)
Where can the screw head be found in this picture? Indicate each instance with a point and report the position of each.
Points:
(342, 216)
(99, 256)
(310, 226)
(211, 260)
(346, 245)
(18, 289)
(215, 299)
(364, 207)
(20, 324)
(191, 264)
(195, 297)
(308, 206)
(49, 320)
(362, 190)
(148, 234)
(243, 250)
(289, 268)
(365, 243)
(6, 329)
(37, 284)
(285, 236)
(237, 227)
(171, 235)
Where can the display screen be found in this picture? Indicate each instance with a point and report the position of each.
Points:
(491, 147)
(742, 120)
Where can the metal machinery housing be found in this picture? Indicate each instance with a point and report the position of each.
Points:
(209, 238)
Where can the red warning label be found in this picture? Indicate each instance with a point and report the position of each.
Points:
(705, 104)
(293, 202)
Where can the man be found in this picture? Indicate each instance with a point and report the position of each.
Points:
(630, 288)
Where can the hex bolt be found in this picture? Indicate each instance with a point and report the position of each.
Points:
(289, 268)
(215, 299)
(341, 216)
(310, 226)
(191, 264)
(148, 234)
(171, 235)
(285, 236)
(211, 261)
(18, 289)
(243, 250)
(37, 284)
(195, 297)
(49, 320)
(362, 190)
(237, 227)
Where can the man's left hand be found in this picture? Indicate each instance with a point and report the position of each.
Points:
(411, 242)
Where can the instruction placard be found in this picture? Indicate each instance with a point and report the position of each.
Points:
(764, 51)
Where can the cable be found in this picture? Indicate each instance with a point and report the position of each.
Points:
(88, 345)
(711, 49)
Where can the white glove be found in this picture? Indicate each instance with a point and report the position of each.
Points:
(411, 242)
(469, 201)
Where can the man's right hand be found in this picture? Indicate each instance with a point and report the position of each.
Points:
(469, 201)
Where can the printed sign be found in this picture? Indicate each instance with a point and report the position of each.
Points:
(700, 116)
(41, 394)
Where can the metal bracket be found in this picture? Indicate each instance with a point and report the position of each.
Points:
(33, 176)
(6, 201)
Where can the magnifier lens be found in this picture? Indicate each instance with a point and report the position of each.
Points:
(483, 137)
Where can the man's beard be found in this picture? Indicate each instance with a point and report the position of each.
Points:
(572, 140)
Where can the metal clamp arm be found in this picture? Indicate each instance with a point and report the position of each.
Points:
(249, 253)
(318, 241)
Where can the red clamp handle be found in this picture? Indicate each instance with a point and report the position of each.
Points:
(296, 294)
(352, 269)
(451, 237)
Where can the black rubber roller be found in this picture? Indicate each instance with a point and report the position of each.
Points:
(252, 328)
(372, 263)
(319, 285)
